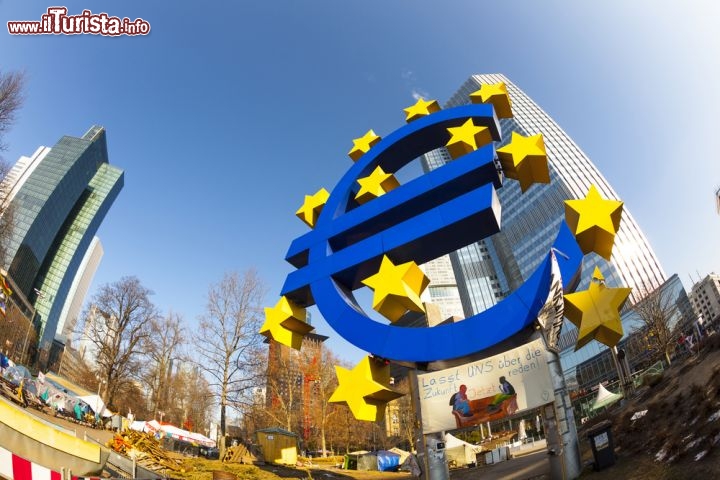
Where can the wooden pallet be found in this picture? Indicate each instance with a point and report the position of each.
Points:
(240, 454)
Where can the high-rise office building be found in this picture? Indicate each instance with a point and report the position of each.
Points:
(705, 299)
(293, 378)
(442, 290)
(487, 271)
(59, 197)
(490, 269)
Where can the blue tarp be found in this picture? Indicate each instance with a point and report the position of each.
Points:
(387, 460)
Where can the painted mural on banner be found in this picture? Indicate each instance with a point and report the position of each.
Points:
(485, 390)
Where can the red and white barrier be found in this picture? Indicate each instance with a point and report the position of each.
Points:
(13, 467)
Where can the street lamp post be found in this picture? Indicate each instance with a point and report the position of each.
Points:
(101, 382)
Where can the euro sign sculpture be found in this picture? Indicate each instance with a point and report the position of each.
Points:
(425, 218)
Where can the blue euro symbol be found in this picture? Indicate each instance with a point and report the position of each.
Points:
(425, 218)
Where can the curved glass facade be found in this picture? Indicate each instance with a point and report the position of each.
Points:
(531, 219)
(60, 198)
(489, 270)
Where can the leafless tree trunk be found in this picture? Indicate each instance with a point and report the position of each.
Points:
(227, 343)
(117, 325)
(161, 349)
(659, 315)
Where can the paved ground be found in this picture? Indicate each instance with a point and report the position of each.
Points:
(532, 466)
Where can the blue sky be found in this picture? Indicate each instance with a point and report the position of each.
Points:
(228, 113)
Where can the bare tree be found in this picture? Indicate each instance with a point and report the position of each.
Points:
(659, 315)
(11, 99)
(161, 348)
(284, 386)
(326, 383)
(7, 216)
(253, 415)
(406, 421)
(227, 342)
(192, 399)
(344, 431)
(130, 397)
(117, 324)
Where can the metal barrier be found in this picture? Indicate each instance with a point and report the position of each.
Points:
(121, 466)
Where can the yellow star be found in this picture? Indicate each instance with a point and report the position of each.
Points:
(376, 184)
(285, 323)
(364, 389)
(363, 145)
(397, 288)
(312, 206)
(467, 138)
(594, 221)
(524, 159)
(421, 109)
(497, 95)
(596, 312)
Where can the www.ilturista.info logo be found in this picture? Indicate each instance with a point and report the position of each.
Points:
(57, 22)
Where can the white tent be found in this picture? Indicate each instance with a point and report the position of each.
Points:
(605, 398)
(403, 454)
(463, 453)
(172, 431)
(96, 403)
(137, 425)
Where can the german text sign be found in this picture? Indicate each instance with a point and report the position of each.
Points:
(485, 390)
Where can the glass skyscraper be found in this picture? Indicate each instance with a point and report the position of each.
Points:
(59, 197)
(489, 270)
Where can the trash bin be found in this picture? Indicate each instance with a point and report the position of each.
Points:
(601, 441)
(351, 462)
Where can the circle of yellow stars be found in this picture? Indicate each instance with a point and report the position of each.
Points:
(397, 288)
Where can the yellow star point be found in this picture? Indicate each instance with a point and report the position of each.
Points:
(363, 145)
(397, 289)
(421, 108)
(524, 159)
(364, 389)
(312, 206)
(376, 184)
(596, 312)
(594, 221)
(497, 95)
(285, 323)
(467, 138)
